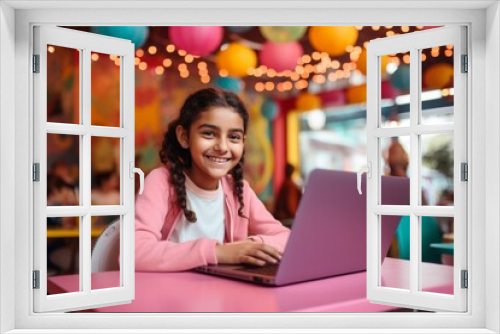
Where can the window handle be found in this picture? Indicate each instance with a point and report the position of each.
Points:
(133, 170)
(368, 171)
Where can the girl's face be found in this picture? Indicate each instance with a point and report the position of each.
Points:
(216, 142)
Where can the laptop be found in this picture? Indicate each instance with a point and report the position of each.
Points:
(328, 236)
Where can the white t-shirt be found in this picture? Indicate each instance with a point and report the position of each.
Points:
(209, 208)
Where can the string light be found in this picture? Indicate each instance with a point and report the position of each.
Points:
(137, 60)
(223, 73)
(259, 86)
(143, 66)
(202, 65)
(51, 49)
(159, 70)
(188, 59)
(448, 53)
(182, 53)
(94, 56)
(112, 57)
(167, 62)
(117, 61)
(170, 48)
(269, 86)
(152, 50)
(205, 79)
(139, 53)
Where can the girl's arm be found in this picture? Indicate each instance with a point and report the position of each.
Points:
(151, 252)
(263, 227)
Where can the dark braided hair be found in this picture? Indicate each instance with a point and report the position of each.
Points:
(177, 159)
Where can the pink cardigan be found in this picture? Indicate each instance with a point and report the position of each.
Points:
(156, 216)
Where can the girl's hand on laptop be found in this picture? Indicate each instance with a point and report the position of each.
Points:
(247, 252)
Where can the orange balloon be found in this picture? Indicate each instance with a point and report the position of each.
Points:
(438, 76)
(236, 59)
(361, 63)
(307, 102)
(356, 94)
(332, 40)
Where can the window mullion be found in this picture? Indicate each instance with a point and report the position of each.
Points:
(85, 241)
(414, 168)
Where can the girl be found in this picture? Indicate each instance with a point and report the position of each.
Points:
(197, 209)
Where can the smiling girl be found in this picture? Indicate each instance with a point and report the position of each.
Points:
(196, 209)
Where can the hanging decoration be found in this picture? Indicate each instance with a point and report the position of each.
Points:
(361, 63)
(236, 59)
(136, 34)
(439, 76)
(332, 40)
(356, 94)
(283, 34)
(234, 85)
(307, 101)
(196, 40)
(269, 109)
(400, 79)
(280, 57)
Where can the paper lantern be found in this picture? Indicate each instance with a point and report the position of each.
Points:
(236, 59)
(282, 34)
(308, 102)
(136, 35)
(280, 57)
(198, 40)
(332, 40)
(356, 94)
(269, 109)
(361, 63)
(239, 29)
(438, 76)
(229, 83)
(400, 79)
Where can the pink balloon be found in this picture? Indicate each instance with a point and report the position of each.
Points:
(282, 56)
(198, 41)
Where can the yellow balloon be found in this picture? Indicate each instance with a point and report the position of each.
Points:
(236, 59)
(332, 40)
(438, 76)
(361, 63)
(307, 102)
(356, 94)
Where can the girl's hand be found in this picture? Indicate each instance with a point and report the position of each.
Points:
(247, 252)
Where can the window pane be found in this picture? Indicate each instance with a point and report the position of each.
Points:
(105, 171)
(105, 89)
(63, 172)
(437, 85)
(395, 90)
(63, 244)
(63, 83)
(105, 252)
(395, 162)
(437, 169)
(437, 250)
(395, 231)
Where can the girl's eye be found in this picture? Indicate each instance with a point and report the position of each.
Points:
(208, 133)
(235, 137)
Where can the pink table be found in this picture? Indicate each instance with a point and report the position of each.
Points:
(196, 292)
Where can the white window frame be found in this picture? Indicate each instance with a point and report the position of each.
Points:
(86, 43)
(415, 43)
(15, 122)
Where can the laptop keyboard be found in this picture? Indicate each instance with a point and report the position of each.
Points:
(268, 269)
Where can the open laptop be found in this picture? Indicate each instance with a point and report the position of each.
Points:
(328, 235)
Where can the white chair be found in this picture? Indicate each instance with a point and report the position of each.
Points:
(107, 249)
